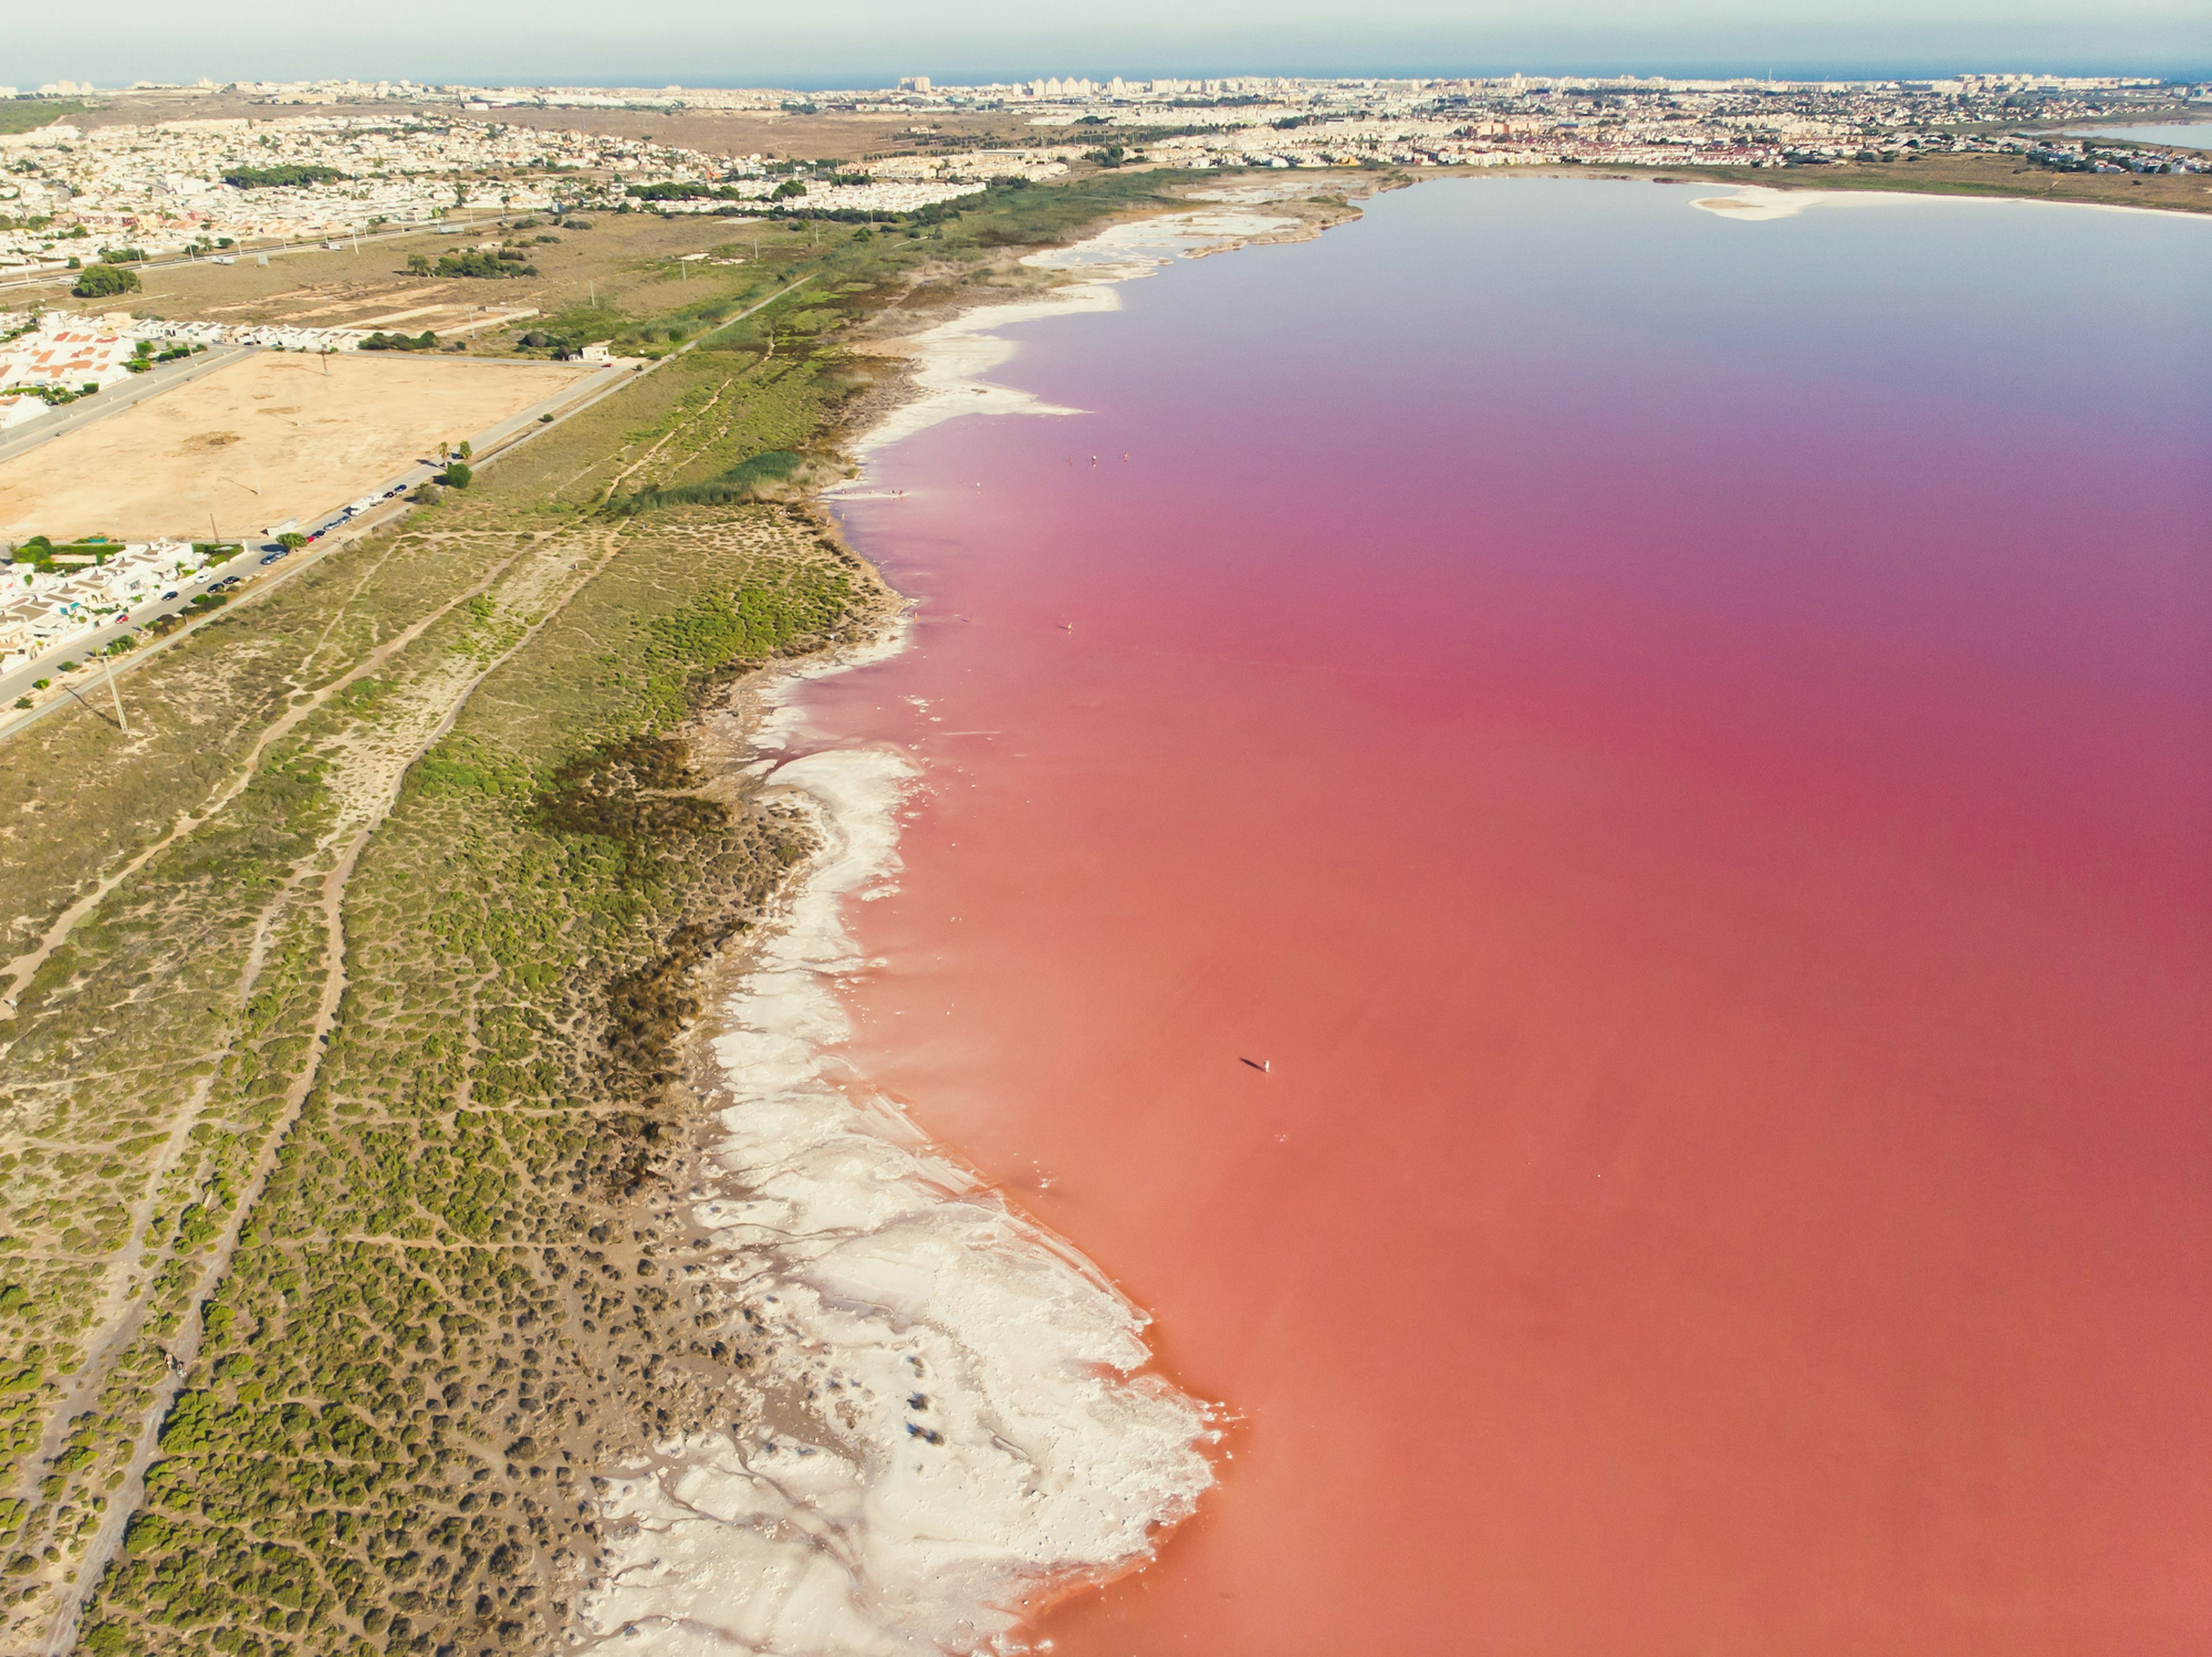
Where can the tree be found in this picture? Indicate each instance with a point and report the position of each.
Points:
(464, 451)
(103, 280)
(457, 475)
(418, 265)
(291, 540)
(262, 177)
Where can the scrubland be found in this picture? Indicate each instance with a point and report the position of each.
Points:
(340, 1067)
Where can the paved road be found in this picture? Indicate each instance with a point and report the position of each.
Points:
(328, 531)
(164, 376)
(331, 530)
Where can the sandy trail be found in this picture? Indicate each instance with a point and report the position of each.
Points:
(367, 781)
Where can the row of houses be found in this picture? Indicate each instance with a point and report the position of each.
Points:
(275, 336)
(39, 360)
(46, 614)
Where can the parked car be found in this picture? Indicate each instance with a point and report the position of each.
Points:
(165, 597)
(272, 557)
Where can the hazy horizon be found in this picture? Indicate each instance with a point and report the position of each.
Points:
(862, 43)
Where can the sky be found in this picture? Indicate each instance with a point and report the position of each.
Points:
(826, 43)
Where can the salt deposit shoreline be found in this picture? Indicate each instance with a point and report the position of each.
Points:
(956, 1425)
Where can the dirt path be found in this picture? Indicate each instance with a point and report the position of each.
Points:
(387, 764)
(19, 972)
(116, 1317)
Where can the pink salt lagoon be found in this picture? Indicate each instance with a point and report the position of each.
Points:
(1684, 747)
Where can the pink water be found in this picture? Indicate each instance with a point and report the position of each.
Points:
(1686, 746)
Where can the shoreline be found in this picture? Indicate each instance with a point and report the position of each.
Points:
(704, 1544)
(1774, 201)
(950, 1421)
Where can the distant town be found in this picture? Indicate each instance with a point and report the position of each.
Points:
(114, 182)
(214, 185)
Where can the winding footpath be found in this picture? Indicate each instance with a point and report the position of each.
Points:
(554, 552)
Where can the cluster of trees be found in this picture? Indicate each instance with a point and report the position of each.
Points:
(39, 551)
(424, 341)
(507, 262)
(284, 177)
(539, 340)
(105, 281)
(684, 189)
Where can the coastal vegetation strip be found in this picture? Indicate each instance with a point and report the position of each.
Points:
(328, 1111)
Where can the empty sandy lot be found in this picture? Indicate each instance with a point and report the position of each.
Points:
(271, 437)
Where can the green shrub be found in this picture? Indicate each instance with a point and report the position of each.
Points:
(264, 177)
(482, 265)
(102, 280)
(741, 483)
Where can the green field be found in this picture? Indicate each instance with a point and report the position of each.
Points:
(24, 114)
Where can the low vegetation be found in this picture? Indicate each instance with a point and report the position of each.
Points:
(25, 114)
(331, 1121)
(104, 281)
(495, 265)
(283, 177)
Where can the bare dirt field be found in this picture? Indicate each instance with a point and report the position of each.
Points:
(371, 289)
(273, 436)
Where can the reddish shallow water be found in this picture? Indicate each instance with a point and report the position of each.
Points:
(1687, 747)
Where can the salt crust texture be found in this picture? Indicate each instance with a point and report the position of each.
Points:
(957, 1430)
(1756, 203)
(953, 356)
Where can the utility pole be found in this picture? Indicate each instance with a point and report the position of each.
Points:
(121, 718)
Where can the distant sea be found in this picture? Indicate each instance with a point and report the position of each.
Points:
(1571, 835)
(2187, 135)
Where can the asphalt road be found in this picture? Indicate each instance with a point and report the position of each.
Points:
(163, 376)
(331, 530)
(334, 530)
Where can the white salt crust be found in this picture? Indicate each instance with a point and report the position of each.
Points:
(953, 357)
(957, 1430)
(958, 1426)
(1756, 203)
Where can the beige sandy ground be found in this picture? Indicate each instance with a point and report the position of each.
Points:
(273, 436)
